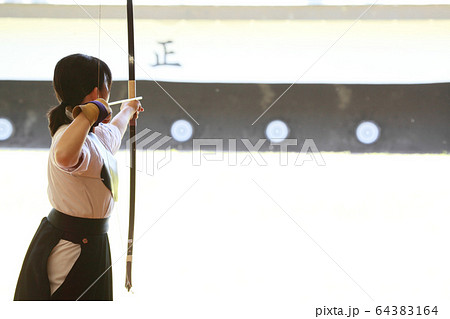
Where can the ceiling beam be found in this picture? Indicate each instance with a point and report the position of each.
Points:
(378, 12)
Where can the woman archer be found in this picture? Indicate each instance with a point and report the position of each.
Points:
(69, 256)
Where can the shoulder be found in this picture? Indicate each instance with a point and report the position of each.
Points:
(59, 132)
(87, 154)
(57, 136)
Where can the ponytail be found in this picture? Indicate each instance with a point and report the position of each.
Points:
(57, 117)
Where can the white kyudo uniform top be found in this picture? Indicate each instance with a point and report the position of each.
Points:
(78, 192)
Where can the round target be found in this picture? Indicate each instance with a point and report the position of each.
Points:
(6, 129)
(367, 132)
(181, 130)
(277, 131)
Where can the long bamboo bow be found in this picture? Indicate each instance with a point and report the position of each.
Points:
(131, 94)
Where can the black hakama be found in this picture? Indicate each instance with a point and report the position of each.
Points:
(90, 277)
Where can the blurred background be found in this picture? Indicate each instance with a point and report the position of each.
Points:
(356, 92)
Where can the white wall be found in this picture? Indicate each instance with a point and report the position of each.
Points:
(281, 51)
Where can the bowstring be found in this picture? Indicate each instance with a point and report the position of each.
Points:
(99, 46)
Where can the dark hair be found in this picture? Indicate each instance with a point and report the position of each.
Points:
(75, 77)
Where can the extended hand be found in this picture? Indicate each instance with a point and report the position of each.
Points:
(134, 105)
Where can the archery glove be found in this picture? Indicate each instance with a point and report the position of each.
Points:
(95, 111)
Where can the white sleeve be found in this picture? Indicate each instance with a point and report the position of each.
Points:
(110, 136)
(84, 160)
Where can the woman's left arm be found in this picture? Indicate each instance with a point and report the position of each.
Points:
(127, 111)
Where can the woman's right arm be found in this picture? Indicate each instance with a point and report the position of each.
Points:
(68, 148)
